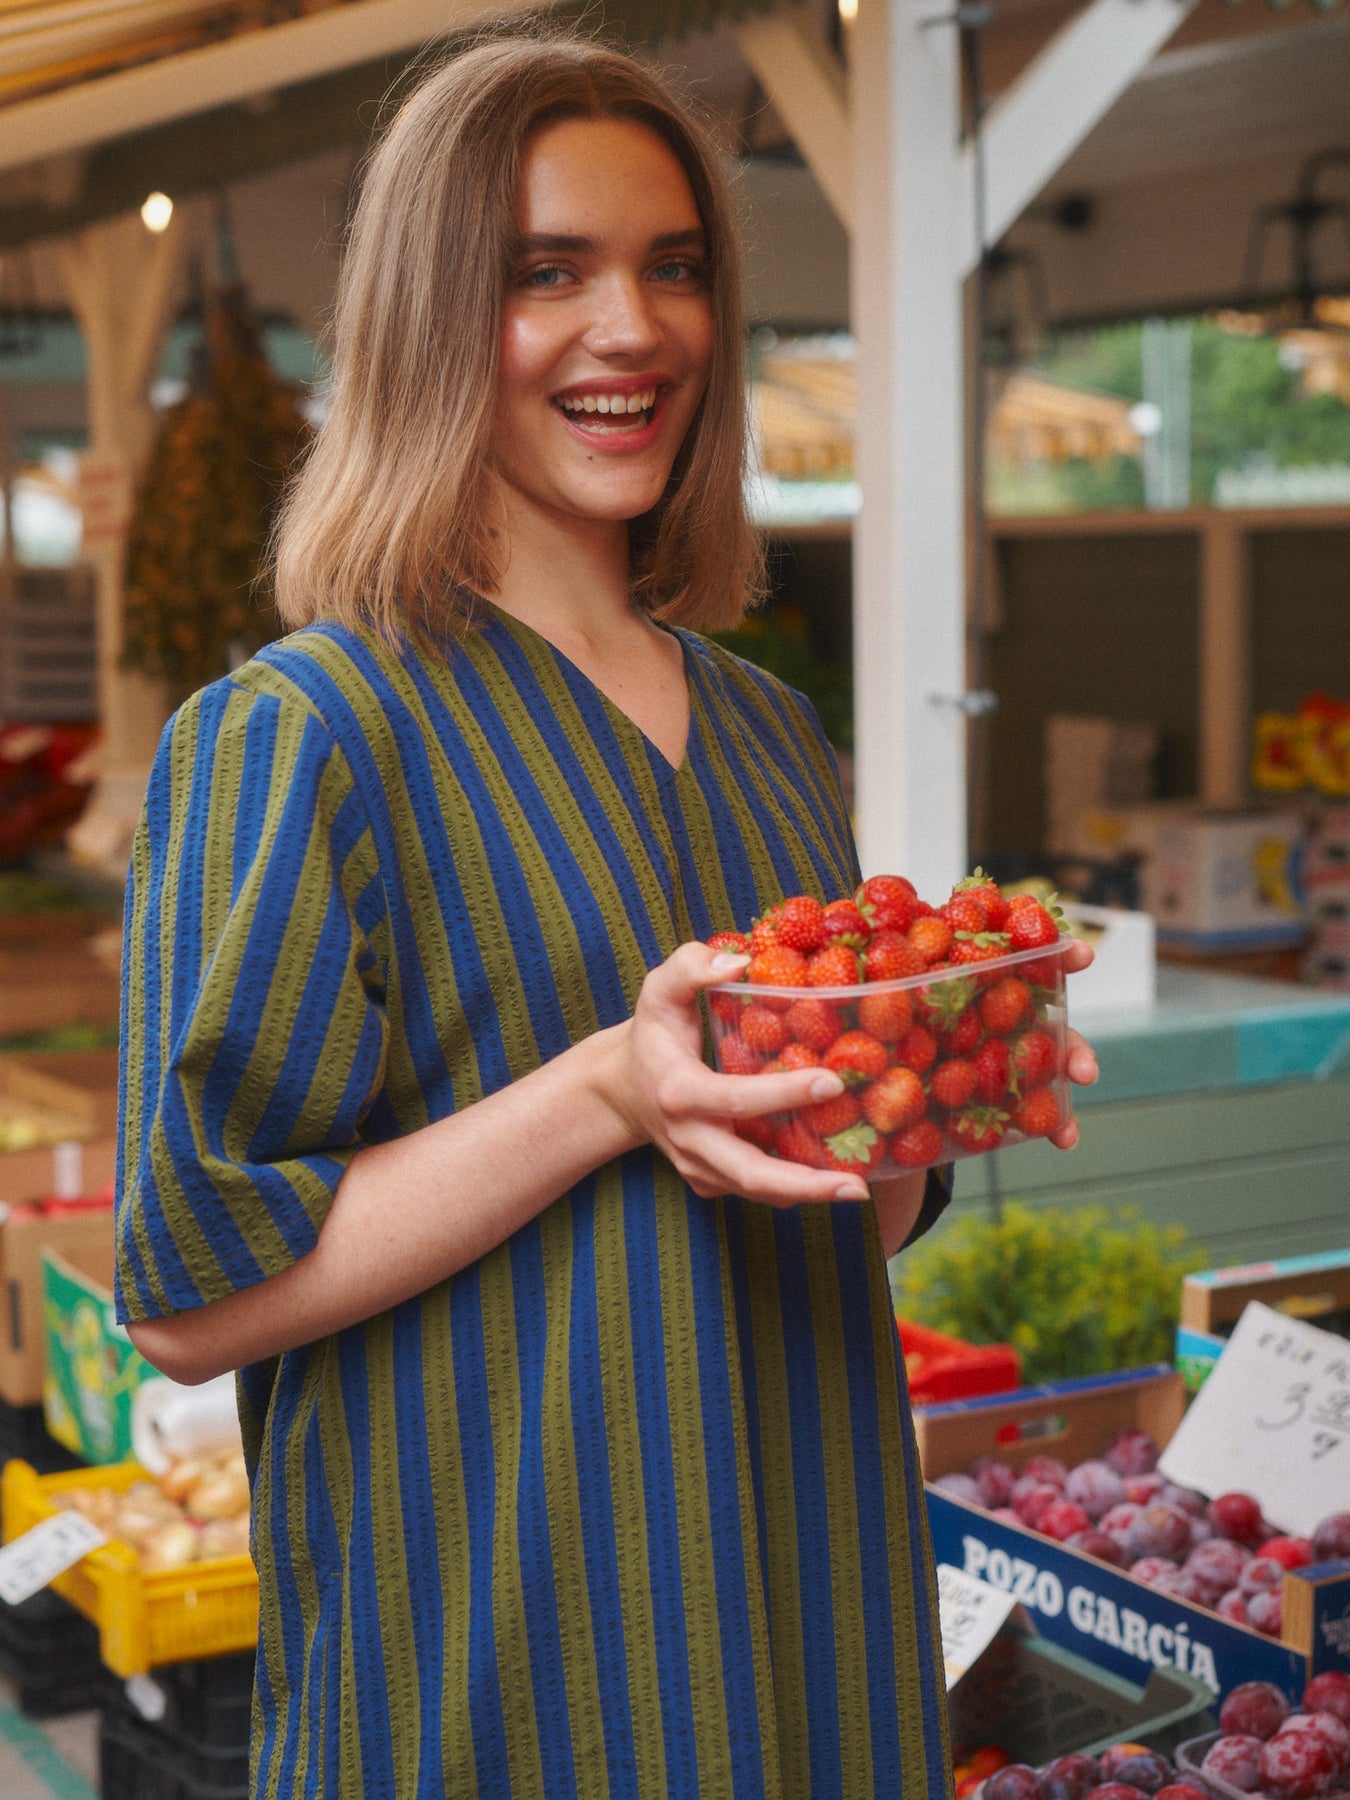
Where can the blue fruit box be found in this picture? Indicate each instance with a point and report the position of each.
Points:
(1090, 1607)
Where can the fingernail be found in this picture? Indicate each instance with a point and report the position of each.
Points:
(851, 1191)
(726, 962)
(825, 1087)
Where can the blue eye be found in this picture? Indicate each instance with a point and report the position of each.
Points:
(678, 270)
(545, 275)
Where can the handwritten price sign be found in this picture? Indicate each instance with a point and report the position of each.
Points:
(970, 1612)
(1272, 1420)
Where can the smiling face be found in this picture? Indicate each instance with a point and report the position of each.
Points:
(607, 330)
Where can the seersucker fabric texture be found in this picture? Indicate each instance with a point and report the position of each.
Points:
(630, 1509)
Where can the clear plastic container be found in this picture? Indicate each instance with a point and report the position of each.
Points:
(1002, 1022)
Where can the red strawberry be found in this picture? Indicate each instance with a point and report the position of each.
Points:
(963, 912)
(977, 1129)
(952, 1083)
(856, 1057)
(890, 957)
(734, 941)
(777, 966)
(844, 922)
(886, 1015)
(800, 923)
(795, 1142)
(964, 1034)
(834, 966)
(931, 937)
(916, 1050)
(989, 895)
(894, 1100)
(799, 1056)
(993, 1066)
(889, 900)
(735, 1056)
(1031, 927)
(764, 933)
(813, 1022)
(826, 1117)
(726, 1007)
(763, 1029)
(855, 1151)
(1035, 1060)
(979, 946)
(941, 1005)
(759, 1130)
(1038, 1115)
(917, 1148)
(1004, 1005)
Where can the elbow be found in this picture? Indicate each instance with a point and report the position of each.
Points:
(173, 1346)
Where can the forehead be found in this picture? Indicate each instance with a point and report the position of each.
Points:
(580, 170)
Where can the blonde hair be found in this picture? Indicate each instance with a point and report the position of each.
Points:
(387, 522)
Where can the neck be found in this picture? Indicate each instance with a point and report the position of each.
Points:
(564, 576)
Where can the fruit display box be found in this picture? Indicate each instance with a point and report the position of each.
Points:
(84, 1233)
(1315, 1288)
(990, 1073)
(939, 1367)
(1099, 1611)
(145, 1618)
(1038, 1700)
(91, 1367)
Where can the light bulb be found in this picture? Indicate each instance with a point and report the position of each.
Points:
(848, 10)
(156, 211)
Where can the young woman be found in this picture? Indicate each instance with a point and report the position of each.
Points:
(577, 1425)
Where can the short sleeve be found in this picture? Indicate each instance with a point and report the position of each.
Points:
(253, 1024)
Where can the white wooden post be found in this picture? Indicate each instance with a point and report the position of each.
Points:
(908, 578)
(123, 282)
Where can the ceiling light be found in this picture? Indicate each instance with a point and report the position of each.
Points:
(156, 211)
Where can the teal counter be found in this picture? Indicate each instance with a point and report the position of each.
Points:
(1224, 1108)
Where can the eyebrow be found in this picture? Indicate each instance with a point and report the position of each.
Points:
(562, 242)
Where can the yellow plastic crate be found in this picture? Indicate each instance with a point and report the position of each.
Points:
(144, 1617)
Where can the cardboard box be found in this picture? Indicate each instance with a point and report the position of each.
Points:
(68, 1168)
(92, 1367)
(1091, 1608)
(1315, 1288)
(52, 985)
(1124, 969)
(81, 1085)
(1226, 880)
(82, 1233)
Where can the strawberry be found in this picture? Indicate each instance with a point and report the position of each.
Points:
(797, 1143)
(979, 946)
(1038, 1115)
(834, 966)
(941, 1005)
(990, 896)
(736, 942)
(759, 1131)
(1004, 1005)
(917, 1148)
(886, 1015)
(916, 1050)
(763, 1029)
(856, 1057)
(856, 1151)
(890, 957)
(735, 1056)
(1031, 927)
(963, 912)
(727, 1008)
(894, 1100)
(977, 1129)
(932, 938)
(889, 901)
(1035, 1060)
(992, 1068)
(964, 1034)
(845, 923)
(825, 1117)
(777, 966)
(764, 933)
(813, 1022)
(952, 1083)
(799, 1056)
(800, 924)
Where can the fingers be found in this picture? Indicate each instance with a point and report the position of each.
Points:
(677, 981)
(1066, 1136)
(1081, 1062)
(1077, 956)
(693, 1088)
(713, 1160)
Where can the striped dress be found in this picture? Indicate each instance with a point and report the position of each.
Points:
(631, 1507)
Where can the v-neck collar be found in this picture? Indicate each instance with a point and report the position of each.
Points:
(518, 627)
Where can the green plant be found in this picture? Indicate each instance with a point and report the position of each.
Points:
(1076, 1292)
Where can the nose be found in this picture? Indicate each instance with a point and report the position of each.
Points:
(624, 322)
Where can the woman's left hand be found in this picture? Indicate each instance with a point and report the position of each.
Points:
(1081, 1066)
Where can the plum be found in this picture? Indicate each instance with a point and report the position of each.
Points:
(1331, 1540)
(1149, 1568)
(1143, 1488)
(1113, 1790)
(1159, 1530)
(1069, 1777)
(1131, 1452)
(1046, 1468)
(1254, 1709)
(1334, 1730)
(1031, 1497)
(995, 1477)
(1181, 1790)
(1236, 1516)
(961, 1487)
(1180, 1584)
(1265, 1611)
(1014, 1781)
(1006, 1516)
(1232, 1605)
(1296, 1765)
(1235, 1759)
(1095, 1487)
(1061, 1519)
(1096, 1543)
(1118, 1521)
(1218, 1564)
(1329, 1692)
(1146, 1770)
(1259, 1573)
(1289, 1552)
(1186, 1499)
(1114, 1755)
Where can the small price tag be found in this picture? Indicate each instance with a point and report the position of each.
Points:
(52, 1546)
(1272, 1420)
(971, 1612)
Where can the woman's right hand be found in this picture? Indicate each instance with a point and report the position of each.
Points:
(669, 1096)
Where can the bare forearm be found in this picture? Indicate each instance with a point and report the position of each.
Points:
(412, 1212)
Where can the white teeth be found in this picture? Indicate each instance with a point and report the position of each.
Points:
(618, 403)
(610, 403)
(635, 403)
(589, 403)
(602, 404)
